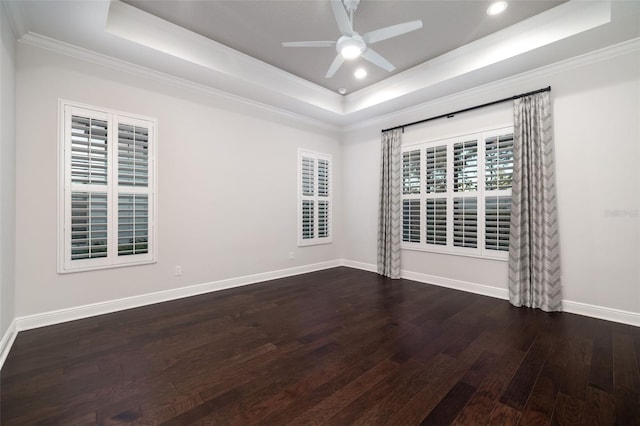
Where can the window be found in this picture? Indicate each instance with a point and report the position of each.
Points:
(106, 189)
(456, 194)
(314, 198)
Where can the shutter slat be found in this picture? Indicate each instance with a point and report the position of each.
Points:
(307, 219)
(498, 162)
(133, 155)
(436, 221)
(88, 150)
(436, 169)
(411, 221)
(497, 222)
(465, 222)
(133, 224)
(465, 166)
(88, 225)
(411, 172)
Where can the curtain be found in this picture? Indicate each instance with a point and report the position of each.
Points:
(534, 252)
(389, 208)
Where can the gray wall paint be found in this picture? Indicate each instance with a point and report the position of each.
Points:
(7, 171)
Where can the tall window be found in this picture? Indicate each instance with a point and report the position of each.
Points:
(314, 198)
(106, 189)
(456, 194)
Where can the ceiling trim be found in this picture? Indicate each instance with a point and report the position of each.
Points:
(561, 22)
(486, 90)
(56, 46)
(130, 23)
(551, 26)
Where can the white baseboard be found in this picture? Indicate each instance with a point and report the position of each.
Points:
(602, 312)
(594, 311)
(7, 341)
(360, 265)
(70, 314)
(485, 290)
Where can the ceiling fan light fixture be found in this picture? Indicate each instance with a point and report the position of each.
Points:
(350, 47)
(350, 52)
(497, 8)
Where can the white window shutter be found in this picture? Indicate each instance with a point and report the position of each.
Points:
(314, 198)
(106, 190)
(411, 220)
(464, 189)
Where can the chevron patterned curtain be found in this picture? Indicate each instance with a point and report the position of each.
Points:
(534, 252)
(389, 218)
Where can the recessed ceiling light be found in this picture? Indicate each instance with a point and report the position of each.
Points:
(497, 8)
(342, 90)
(360, 73)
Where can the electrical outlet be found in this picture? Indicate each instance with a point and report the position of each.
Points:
(292, 255)
(178, 271)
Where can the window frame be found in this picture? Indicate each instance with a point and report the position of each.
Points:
(316, 240)
(112, 188)
(480, 194)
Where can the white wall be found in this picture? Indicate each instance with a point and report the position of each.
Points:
(226, 184)
(596, 101)
(7, 172)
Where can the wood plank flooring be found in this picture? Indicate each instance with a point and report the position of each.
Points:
(335, 347)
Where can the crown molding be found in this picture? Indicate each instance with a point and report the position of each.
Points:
(76, 52)
(137, 26)
(545, 29)
(16, 17)
(487, 90)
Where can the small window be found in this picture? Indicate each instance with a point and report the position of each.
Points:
(314, 198)
(106, 189)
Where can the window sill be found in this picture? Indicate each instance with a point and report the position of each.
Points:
(313, 243)
(503, 257)
(102, 267)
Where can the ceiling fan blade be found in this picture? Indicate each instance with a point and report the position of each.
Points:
(337, 62)
(309, 43)
(391, 31)
(378, 60)
(342, 19)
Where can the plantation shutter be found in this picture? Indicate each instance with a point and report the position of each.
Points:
(411, 172)
(498, 182)
(436, 221)
(133, 188)
(465, 166)
(87, 229)
(497, 222)
(314, 198)
(436, 169)
(411, 220)
(107, 192)
(465, 222)
(456, 194)
(498, 162)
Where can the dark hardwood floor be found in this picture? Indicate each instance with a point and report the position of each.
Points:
(337, 347)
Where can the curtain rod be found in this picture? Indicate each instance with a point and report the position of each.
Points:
(451, 114)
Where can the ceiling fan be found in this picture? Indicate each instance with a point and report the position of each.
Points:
(351, 44)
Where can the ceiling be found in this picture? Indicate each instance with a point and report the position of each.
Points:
(233, 48)
(258, 28)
